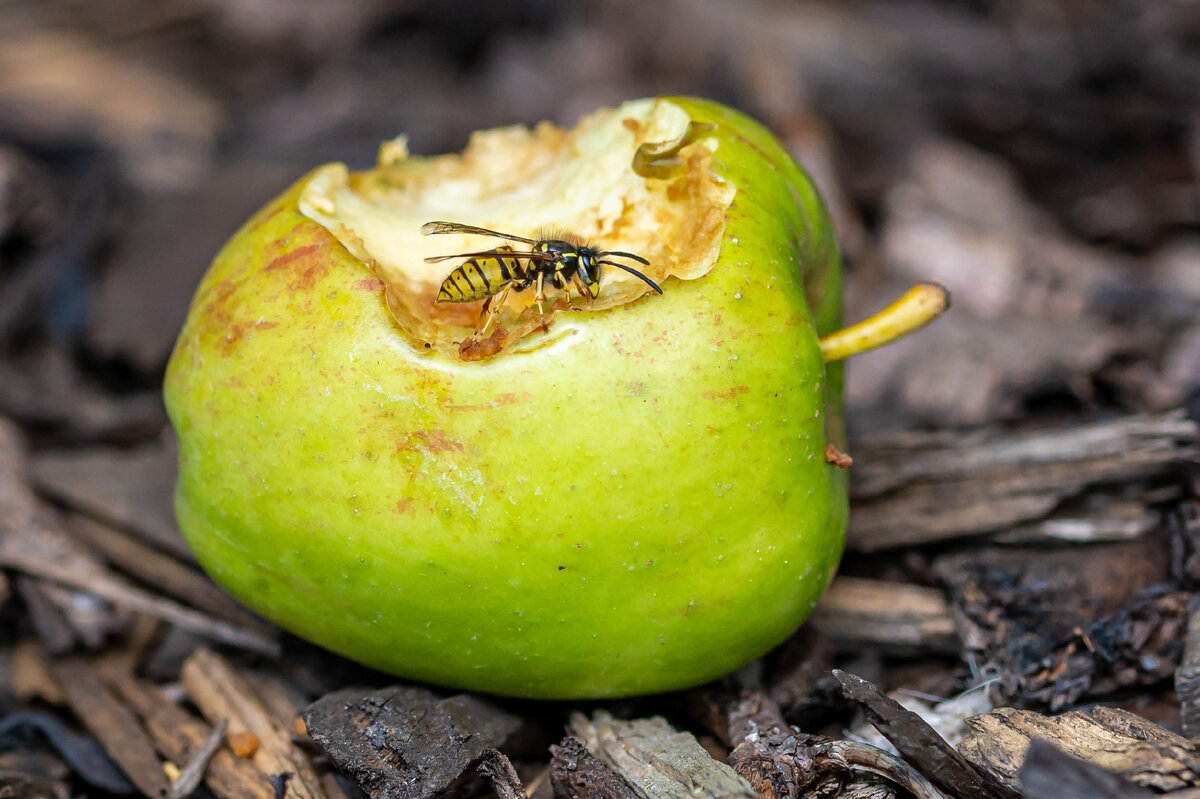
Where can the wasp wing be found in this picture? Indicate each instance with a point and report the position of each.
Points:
(433, 228)
(536, 256)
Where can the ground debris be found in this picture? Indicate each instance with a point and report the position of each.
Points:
(897, 617)
(79, 752)
(406, 743)
(112, 723)
(657, 760)
(1113, 739)
(1050, 774)
(921, 488)
(220, 692)
(576, 774)
(1057, 626)
(919, 743)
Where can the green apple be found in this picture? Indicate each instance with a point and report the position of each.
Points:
(622, 496)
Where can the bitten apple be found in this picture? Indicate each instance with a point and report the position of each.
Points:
(625, 495)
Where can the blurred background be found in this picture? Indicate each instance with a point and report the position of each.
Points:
(1042, 159)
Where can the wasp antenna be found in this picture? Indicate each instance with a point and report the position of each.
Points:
(635, 272)
(637, 258)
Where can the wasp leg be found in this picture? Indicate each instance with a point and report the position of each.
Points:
(539, 294)
(583, 291)
(491, 311)
(563, 285)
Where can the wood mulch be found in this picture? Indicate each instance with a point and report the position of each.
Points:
(1018, 610)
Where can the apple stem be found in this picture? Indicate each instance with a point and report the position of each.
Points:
(919, 306)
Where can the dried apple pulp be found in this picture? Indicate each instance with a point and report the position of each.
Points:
(638, 178)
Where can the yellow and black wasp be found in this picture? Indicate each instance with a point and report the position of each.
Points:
(564, 262)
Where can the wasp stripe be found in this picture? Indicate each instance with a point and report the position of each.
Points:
(505, 271)
(487, 284)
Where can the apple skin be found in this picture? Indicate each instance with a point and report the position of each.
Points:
(643, 505)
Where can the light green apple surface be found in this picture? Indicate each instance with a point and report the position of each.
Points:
(641, 503)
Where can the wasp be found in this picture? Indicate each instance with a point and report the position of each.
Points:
(563, 262)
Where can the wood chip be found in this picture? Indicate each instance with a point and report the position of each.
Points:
(48, 621)
(33, 540)
(164, 573)
(47, 551)
(219, 692)
(1051, 774)
(1055, 625)
(128, 489)
(406, 743)
(31, 677)
(1187, 675)
(657, 760)
(576, 773)
(921, 488)
(498, 770)
(919, 743)
(1112, 739)
(112, 723)
(178, 735)
(858, 612)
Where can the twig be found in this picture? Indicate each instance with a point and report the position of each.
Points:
(189, 779)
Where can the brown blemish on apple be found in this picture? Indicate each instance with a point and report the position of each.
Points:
(303, 277)
(368, 284)
(728, 393)
(405, 506)
(432, 441)
(285, 260)
(237, 331)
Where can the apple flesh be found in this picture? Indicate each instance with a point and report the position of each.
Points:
(629, 497)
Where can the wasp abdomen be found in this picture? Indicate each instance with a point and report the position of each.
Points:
(481, 276)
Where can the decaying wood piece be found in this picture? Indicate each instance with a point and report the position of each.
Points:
(1092, 518)
(919, 743)
(921, 488)
(1051, 774)
(129, 489)
(164, 573)
(48, 621)
(408, 743)
(1058, 624)
(1112, 739)
(852, 756)
(1187, 676)
(112, 723)
(48, 552)
(179, 735)
(947, 717)
(894, 616)
(656, 760)
(219, 693)
(783, 763)
(498, 770)
(31, 677)
(576, 774)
